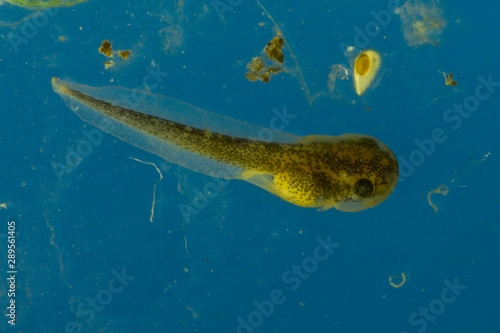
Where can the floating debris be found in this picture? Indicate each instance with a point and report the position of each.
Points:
(172, 35)
(273, 50)
(108, 63)
(336, 72)
(421, 22)
(472, 167)
(268, 63)
(124, 54)
(154, 188)
(173, 39)
(448, 79)
(442, 189)
(397, 285)
(298, 71)
(107, 50)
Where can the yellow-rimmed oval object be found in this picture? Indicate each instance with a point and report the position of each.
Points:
(366, 67)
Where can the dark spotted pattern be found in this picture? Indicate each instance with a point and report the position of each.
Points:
(312, 173)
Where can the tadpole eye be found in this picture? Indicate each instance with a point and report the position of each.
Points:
(363, 188)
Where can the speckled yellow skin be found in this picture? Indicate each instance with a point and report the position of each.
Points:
(349, 172)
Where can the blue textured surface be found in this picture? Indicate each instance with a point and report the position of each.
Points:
(78, 230)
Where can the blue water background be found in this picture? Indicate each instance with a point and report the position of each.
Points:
(78, 229)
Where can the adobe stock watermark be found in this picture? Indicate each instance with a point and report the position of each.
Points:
(93, 138)
(86, 311)
(381, 19)
(212, 190)
(292, 279)
(223, 6)
(420, 319)
(30, 28)
(453, 116)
